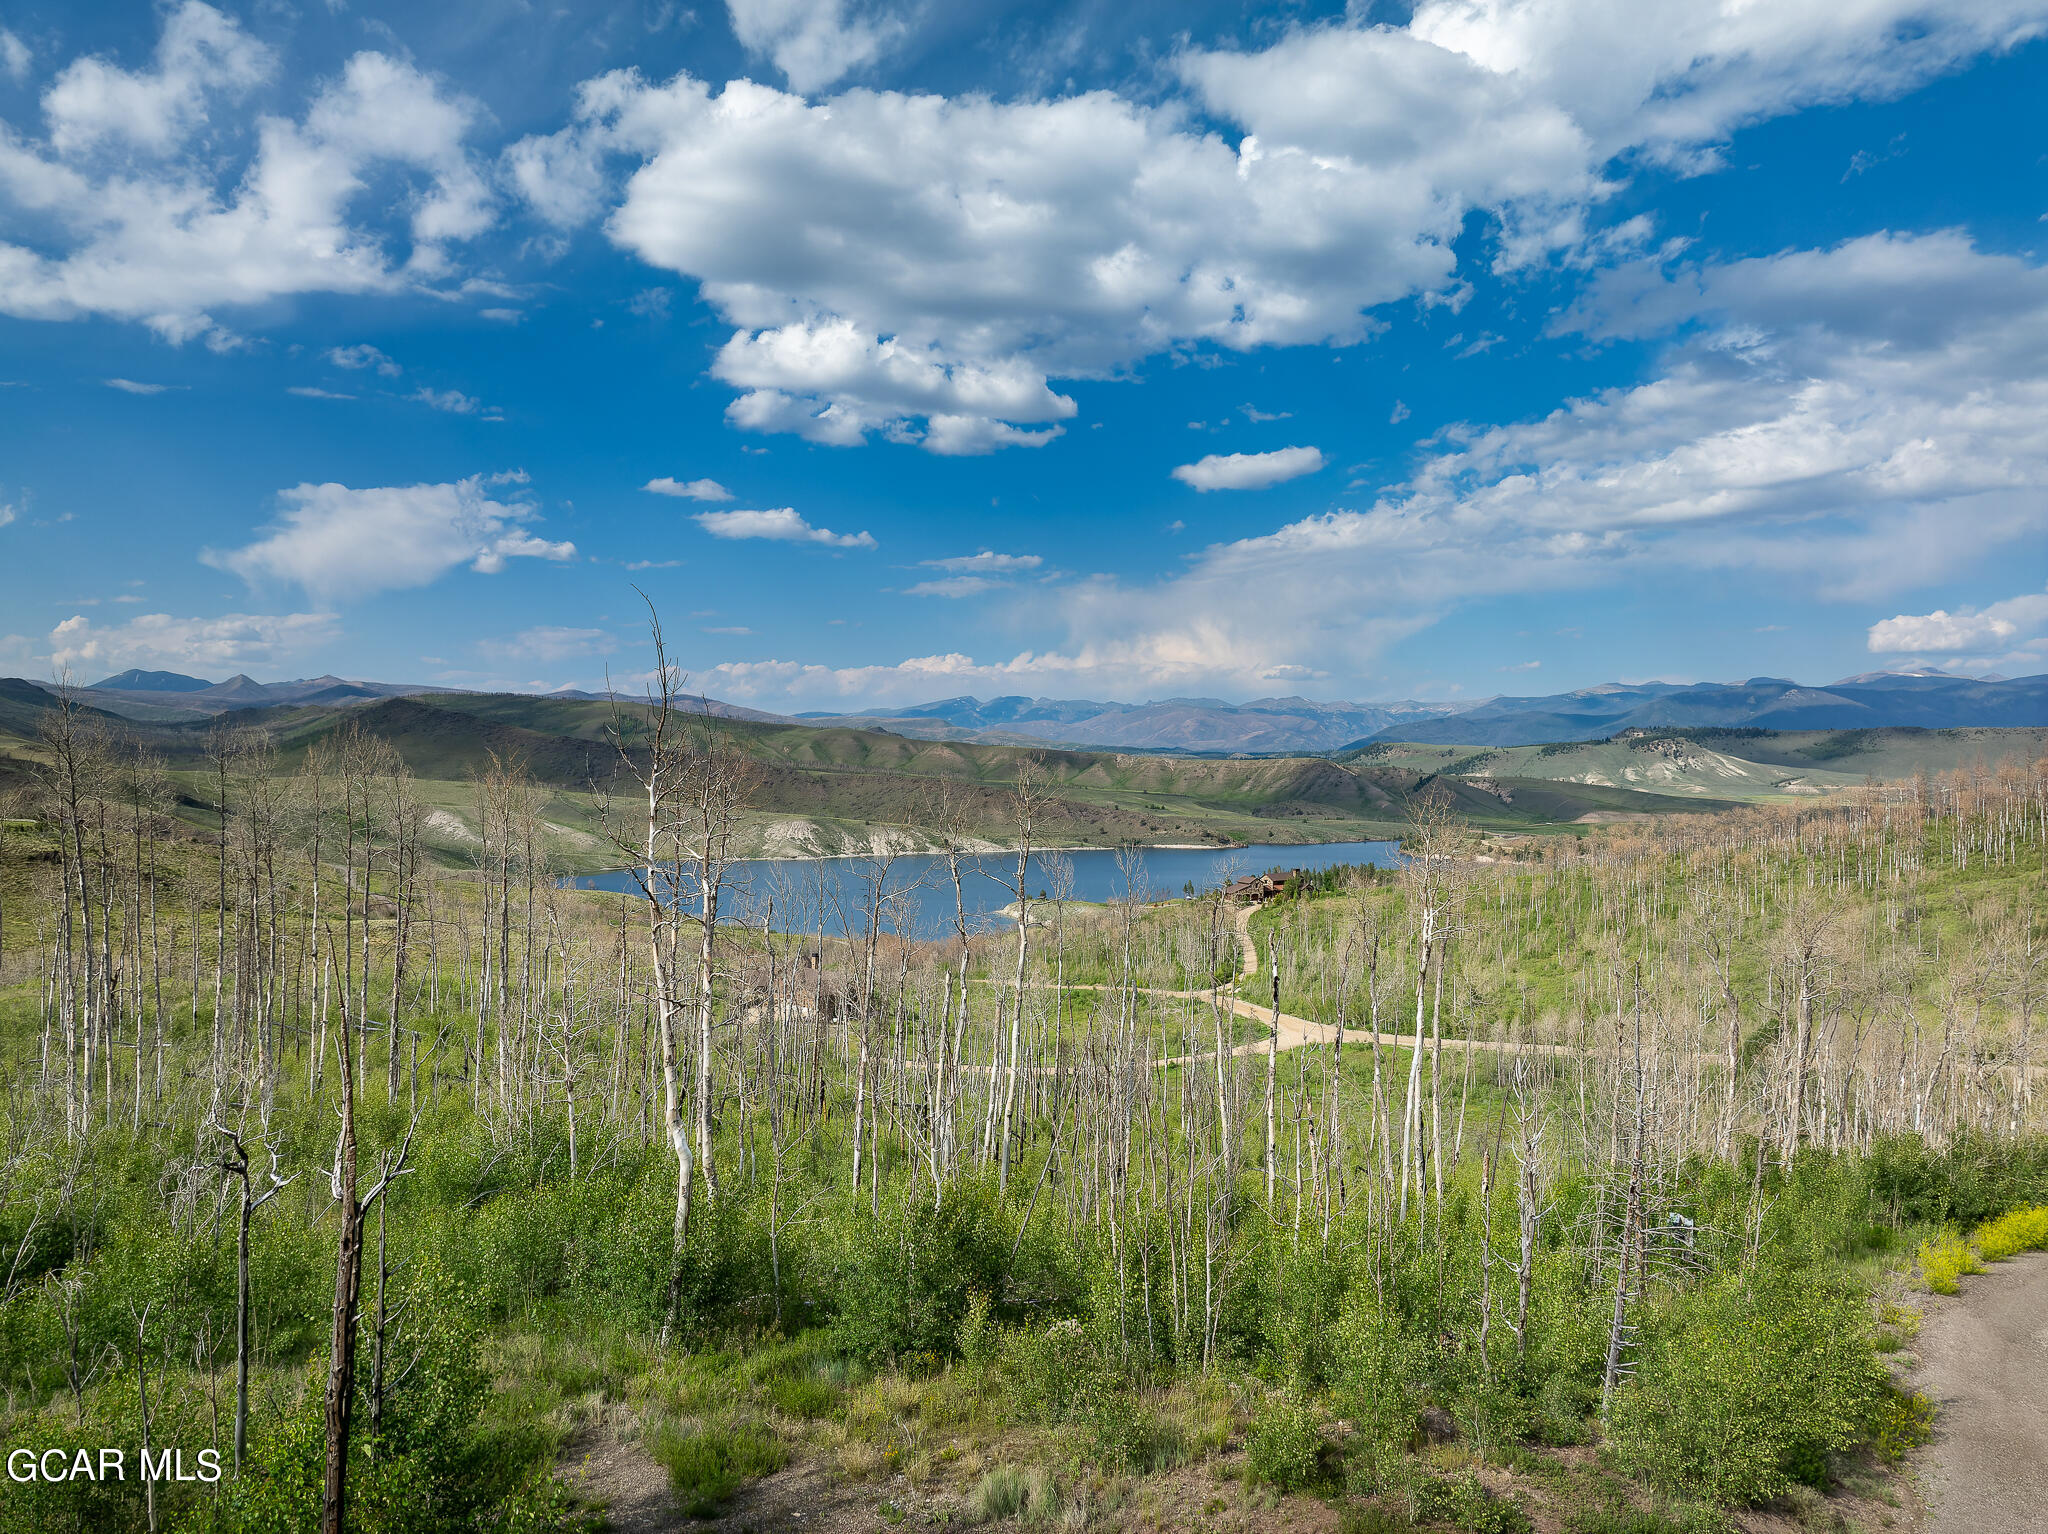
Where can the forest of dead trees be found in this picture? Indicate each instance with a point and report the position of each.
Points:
(244, 1012)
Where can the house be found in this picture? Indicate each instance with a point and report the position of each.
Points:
(1259, 888)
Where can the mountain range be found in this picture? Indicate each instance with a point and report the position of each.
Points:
(1925, 698)
(1875, 700)
(838, 788)
(1171, 724)
(162, 697)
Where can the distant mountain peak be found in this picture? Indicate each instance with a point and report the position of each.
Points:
(1869, 678)
(134, 679)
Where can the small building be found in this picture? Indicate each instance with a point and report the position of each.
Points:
(1259, 888)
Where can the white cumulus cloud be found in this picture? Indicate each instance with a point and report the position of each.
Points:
(1843, 424)
(985, 563)
(339, 542)
(689, 490)
(455, 402)
(355, 358)
(200, 54)
(923, 266)
(178, 229)
(813, 42)
(973, 575)
(1250, 471)
(1971, 629)
(783, 525)
(15, 56)
(231, 642)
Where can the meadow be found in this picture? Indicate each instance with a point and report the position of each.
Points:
(1597, 1199)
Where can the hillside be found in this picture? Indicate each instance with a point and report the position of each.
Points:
(1878, 701)
(1747, 765)
(1924, 698)
(1292, 724)
(834, 788)
(1289, 726)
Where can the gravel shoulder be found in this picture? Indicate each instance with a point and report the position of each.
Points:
(1984, 1364)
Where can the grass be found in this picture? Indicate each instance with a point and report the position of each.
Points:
(1007, 1493)
(1636, 1520)
(706, 1465)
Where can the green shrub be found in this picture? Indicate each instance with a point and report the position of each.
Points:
(1564, 1411)
(1431, 1498)
(1904, 1421)
(2023, 1230)
(1492, 1417)
(1806, 1463)
(1944, 1260)
(1743, 1383)
(1284, 1446)
(1376, 1373)
(979, 1341)
(909, 1277)
(1121, 1430)
(1479, 1511)
(1053, 1375)
(1971, 1179)
(706, 1465)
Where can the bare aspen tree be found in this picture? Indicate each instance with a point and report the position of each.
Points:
(652, 749)
(1433, 827)
(1272, 1069)
(871, 874)
(1027, 801)
(236, 1165)
(719, 777)
(348, 1280)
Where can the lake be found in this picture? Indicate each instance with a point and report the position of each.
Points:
(921, 891)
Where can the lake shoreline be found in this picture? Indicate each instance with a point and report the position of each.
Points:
(920, 887)
(979, 852)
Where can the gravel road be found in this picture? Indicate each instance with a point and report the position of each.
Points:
(1984, 1363)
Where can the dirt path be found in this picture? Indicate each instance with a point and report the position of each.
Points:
(1984, 1363)
(622, 1481)
(1292, 1032)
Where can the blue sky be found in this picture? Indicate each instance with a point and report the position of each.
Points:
(902, 350)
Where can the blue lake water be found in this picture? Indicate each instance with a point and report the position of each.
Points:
(797, 893)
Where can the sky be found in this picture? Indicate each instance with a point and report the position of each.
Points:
(890, 350)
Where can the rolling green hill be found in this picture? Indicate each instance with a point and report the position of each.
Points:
(1744, 765)
(839, 788)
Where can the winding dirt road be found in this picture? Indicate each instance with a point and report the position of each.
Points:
(1292, 1032)
(1295, 1032)
(1984, 1364)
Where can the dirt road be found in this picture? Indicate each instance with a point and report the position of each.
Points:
(1984, 1363)
(1295, 1032)
(1241, 998)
